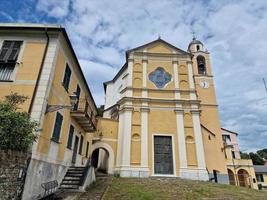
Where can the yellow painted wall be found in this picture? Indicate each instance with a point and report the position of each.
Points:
(137, 78)
(27, 72)
(59, 96)
(109, 130)
(159, 48)
(136, 138)
(190, 140)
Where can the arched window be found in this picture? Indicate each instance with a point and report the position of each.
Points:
(201, 64)
(198, 48)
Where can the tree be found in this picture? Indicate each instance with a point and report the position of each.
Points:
(256, 159)
(263, 153)
(16, 128)
(244, 155)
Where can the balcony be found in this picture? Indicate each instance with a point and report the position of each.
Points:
(84, 115)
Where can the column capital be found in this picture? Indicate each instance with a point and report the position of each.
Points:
(189, 62)
(195, 112)
(178, 111)
(126, 108)
(144, 60)
(144, 109)
(175, 62)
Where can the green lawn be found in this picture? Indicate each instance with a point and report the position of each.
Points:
(158, 188)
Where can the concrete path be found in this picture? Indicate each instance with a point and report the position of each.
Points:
(97, 190)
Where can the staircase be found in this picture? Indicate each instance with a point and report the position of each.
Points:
(73, 178)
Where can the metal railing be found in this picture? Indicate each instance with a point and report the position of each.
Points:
(83, 106)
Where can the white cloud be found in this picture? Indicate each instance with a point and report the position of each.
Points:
(54, 8)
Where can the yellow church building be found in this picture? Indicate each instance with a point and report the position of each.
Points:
(161, 116)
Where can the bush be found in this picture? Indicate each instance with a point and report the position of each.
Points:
(16, 128)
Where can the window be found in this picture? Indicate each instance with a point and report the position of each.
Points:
(197, 47)
(259, 177)
(81, 146)
(8, 58)
(226, 138)
(67, 75)
(87, 149)
(57, 127)
(201, 64)
(233, 154)
(71, 131)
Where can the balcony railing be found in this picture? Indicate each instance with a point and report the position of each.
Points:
(84, 115)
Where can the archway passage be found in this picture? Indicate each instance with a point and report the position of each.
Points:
(100, 160)
(243, 178)
(102, 157)
(231, 177)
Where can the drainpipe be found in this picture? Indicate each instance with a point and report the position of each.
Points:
(39, 73)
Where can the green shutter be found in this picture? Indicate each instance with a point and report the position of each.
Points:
(81, 145)
(87, 149)
(10, 51)
(67, 75)
(57, 127)
(71, 131)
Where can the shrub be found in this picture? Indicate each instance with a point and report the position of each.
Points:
(16, 128)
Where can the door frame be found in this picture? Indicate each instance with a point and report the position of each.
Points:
(173, 155)
(74, 163)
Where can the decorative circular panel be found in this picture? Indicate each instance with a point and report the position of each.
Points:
(160, 77)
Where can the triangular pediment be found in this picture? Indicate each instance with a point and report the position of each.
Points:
(158, 46)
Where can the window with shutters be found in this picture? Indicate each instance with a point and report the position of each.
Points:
(259, 177)
(71, 131)
(87, 150)
(67, 75)
(57, 127)
(81, 145)
(8, 58)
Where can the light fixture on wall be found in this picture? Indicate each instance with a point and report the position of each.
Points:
(53, 108)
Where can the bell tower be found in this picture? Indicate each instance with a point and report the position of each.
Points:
(209, 114)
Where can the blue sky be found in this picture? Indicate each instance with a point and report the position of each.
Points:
(234, 31)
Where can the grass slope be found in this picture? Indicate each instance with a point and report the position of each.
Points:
(179, 189)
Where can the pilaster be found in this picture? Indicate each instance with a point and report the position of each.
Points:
(203, 174)
(44, 86)
(181, 138)
(176, 78)
(144, 137)
(144, 92)
(129, 93)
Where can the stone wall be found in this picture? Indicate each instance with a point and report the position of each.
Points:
(40, 172)
(13, 168)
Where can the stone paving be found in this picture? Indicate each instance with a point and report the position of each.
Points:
(97, 190)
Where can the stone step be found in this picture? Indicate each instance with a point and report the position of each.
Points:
(73, 184)
(71, 178)
(69, 187)
(78, 168)
(70, 181)
(73, 173)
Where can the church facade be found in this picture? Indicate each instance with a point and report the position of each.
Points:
(161, 116)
